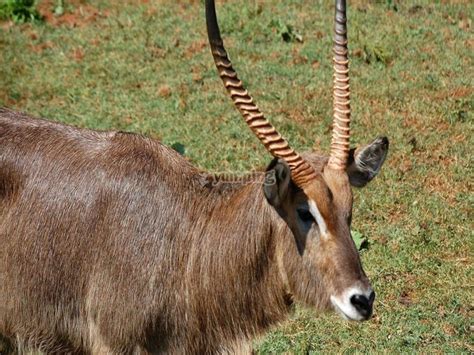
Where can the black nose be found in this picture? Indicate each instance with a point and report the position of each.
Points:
(363, 304)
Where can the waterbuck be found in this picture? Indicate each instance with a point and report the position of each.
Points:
(112, 243)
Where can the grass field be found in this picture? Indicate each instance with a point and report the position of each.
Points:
(145, 67)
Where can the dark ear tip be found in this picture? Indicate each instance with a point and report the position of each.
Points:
(272, 164)
(384, 142)
(276, 187)
(282, 170)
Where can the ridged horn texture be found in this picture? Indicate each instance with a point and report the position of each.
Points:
(341, 92)
(301, 171)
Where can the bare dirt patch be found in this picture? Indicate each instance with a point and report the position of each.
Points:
(78, 14)
(195, 47)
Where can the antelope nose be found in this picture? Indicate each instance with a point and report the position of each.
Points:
(362, 304)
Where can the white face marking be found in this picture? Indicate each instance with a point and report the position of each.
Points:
(343, 304)
(317, 216)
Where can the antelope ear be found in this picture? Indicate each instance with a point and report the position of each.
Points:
(364, 163)
(277, 182)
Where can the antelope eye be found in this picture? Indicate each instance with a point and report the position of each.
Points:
(305, 215)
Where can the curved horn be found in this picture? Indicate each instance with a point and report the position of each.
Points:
(301, 171)
(341, 92)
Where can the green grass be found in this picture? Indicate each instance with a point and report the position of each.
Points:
(146, 68)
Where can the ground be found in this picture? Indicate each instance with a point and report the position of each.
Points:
(145, 67)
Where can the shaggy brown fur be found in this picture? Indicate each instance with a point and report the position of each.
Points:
(113, 243)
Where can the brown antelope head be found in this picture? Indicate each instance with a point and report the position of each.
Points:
(312, 194)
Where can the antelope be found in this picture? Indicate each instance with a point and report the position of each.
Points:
(113, 243)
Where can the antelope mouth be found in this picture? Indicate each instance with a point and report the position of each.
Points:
(354, 305)
(343, 314)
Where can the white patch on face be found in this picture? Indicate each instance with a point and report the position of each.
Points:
(342, 304)
(317, 216)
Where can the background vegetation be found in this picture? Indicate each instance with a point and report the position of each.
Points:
(144, 66)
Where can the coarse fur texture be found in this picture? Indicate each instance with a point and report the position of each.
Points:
(113, 243)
